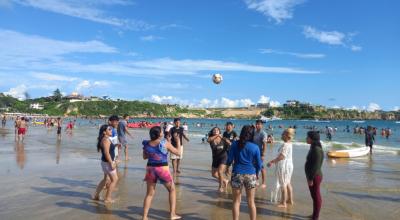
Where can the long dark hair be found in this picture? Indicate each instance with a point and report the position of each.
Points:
(211, 133)
(155, 133)
(102, 129)
(315, 138)
(246, 134)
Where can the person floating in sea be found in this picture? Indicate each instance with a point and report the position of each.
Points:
(176, 159)
(369, 138)
(106, 147)
(260, 138)
(155, 151)
(284, 170)
(219, 156)
(315, 158)
(246, 160)
(122, 132)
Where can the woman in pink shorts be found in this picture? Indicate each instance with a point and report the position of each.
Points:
(155, 151)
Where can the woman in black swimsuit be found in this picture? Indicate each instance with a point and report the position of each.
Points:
(219, 157)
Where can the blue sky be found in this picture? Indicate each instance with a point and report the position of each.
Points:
(342, 53)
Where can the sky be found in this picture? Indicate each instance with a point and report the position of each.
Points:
(342, 53)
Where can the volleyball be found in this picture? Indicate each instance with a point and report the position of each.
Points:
(217, 78)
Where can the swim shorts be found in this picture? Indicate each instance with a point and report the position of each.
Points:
(107, 169)
(249, 181)
(160, 174)
(22, 131)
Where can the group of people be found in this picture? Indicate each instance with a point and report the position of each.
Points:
(244, 152)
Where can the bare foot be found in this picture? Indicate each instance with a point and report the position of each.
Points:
(221, 189)
(290, 202)
(175, 217)
(282, 206)
(178, 171)
(263, 186)
(144, 218)
(96, 198)
(127, 158)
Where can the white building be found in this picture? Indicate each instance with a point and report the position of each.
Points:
(37, 106)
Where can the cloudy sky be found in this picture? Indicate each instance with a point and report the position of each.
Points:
(342, 53)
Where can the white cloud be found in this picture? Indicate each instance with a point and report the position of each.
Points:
(53, 77)
(21, 53)
(88, 10)
(328, 37)
(150, 38)
(331, 37)
(278, 10)
(274, 104)
(373, 107)
(396, 108)
(86, 84)
(18, 92)
(263, 99)
(299, 55)
(355, 48)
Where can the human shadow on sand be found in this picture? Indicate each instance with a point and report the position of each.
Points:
(95, 207)
(60, 191)
(364, 196)
(70, 182)
(208, 191)
(162, 214)
(260, 211)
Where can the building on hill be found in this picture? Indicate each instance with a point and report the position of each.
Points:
(291, 103)
(36, 106)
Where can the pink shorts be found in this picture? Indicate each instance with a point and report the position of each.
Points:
(107, 169)
(160, 174)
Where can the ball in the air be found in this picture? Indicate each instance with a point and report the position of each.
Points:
(217, 78)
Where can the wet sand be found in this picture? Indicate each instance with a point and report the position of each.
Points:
(47, 179)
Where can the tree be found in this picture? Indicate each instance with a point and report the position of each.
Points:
(57, 95)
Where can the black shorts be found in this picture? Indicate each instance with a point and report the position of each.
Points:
(59, 130)
(216, 161)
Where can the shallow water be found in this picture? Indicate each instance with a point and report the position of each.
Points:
(47, 179)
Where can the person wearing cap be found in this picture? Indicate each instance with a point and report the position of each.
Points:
(260, 138)
(176, 160)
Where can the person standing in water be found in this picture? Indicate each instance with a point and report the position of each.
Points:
(155, 151)
(122, 132)
(16, 122)
(3, 121)
(177, 130)
(315, 158)
(245, 156)
(21, 129)
(369, 138)
(219, 157)
(59, 127)
(260, 138)
(106, 147)
(284, 169)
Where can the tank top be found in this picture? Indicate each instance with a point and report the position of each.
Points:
(157, 155)
(111, 151)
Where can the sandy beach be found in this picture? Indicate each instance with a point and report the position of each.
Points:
(46, 179)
